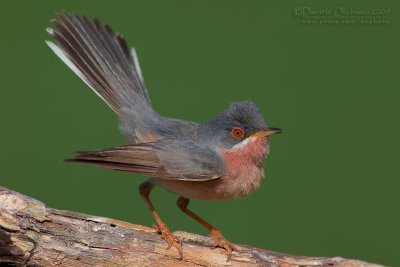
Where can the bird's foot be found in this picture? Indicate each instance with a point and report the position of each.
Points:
(169, 237)
(220, 241)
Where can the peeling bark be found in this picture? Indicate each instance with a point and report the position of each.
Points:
(33, 235)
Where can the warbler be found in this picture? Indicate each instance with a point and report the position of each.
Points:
(219, 159)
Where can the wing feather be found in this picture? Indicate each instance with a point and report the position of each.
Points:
(166, 159)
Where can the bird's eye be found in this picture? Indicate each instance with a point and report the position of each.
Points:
(237, 132)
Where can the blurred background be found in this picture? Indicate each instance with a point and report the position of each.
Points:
(332, 184)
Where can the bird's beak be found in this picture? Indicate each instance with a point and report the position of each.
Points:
(266, 132)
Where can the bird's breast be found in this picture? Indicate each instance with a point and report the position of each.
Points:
(244, 166)
(244, 170)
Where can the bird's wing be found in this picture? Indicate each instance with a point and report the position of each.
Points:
(168, 159)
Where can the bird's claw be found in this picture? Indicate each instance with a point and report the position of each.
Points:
(170, 238)
(220, 241)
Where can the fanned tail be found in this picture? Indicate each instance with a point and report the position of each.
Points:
(101, 59)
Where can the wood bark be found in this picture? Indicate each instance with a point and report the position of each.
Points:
(33, 235)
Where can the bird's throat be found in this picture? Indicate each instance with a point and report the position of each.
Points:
(249, 151)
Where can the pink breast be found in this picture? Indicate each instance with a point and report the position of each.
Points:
(244, 165)
(244, 169)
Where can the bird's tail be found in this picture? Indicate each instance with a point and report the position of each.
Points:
(101, 59)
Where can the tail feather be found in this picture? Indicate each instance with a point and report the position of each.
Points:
(102, 59)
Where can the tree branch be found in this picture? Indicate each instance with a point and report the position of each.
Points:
(33, 235)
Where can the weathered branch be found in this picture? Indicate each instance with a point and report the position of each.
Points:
(33, 235)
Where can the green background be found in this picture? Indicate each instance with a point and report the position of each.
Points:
(332, 185)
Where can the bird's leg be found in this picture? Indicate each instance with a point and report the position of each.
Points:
(172, 240)
(216, 236)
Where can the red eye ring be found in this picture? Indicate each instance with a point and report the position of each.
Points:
(237, 132)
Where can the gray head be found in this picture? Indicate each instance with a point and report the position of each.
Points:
(241, 120)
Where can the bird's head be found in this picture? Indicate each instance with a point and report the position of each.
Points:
(240, 124)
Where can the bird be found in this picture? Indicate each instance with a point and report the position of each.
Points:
(219, 159)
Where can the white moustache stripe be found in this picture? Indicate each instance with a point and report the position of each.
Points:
(243, 143)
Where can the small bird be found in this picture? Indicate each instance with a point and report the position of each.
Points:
(216, 160)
